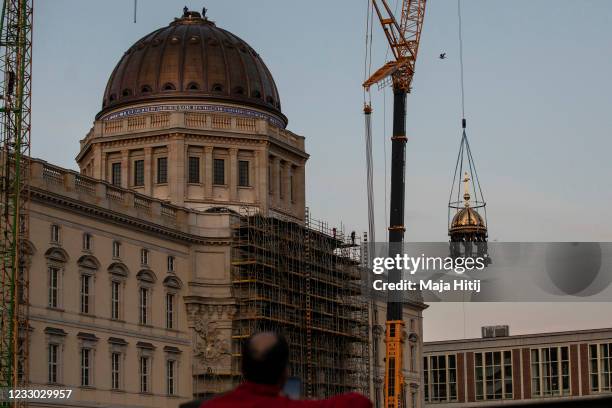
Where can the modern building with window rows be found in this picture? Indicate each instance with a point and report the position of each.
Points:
(513, 370)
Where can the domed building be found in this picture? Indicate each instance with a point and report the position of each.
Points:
(191, 114)
(184, 232)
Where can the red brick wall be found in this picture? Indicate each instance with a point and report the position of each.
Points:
(527, 373)
(516, 374)
(584, 368)
(460, 377)
(470, 377)
(574, 370)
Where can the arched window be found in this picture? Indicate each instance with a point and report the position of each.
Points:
(193, 86)
(56, 261)
(256, 94)
(217, 88)
(146, 89)
(238, 90)
(169, 87)
(126, 92)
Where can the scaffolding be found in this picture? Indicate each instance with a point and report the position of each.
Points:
(303, 281)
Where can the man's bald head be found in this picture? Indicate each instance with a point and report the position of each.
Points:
(265, 358)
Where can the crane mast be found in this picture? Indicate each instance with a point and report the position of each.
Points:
(404, 38)
(15, 101)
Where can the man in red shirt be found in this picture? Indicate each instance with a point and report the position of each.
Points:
(265, 368)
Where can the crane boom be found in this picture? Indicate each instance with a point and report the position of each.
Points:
(404, 38)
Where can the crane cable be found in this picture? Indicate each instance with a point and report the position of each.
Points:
(367, 110)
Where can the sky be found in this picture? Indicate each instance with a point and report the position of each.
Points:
(538, 104)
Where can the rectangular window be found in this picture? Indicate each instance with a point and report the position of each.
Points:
(243, 173)
(440, 378)
(143, 306)
(219, 172)
(550, 375)
(600, 367)
(139, 173)
(170, 263)
(493, 375)
(194, 170)
(53, 364)
(144, 374)
(270, 185)
(87, 242)
(115, 293)
(171, 377)
(116, 249)
(116, 174)
(55, 233)
(144, 256)
(291, 187)
(162, 170)
(85, 293)
(281, 190)
(54, 287)
(169, 311)
(116, 371)
(86, 365)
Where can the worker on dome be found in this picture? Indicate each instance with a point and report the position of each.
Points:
(265, 368)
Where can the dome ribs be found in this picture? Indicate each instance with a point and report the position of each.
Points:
(191, 60)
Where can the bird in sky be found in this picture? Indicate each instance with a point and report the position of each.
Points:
(443, 56)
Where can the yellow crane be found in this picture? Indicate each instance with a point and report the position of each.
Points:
(403, 38)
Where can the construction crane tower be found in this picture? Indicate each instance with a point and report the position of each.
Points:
(403, 38)
(15, 116)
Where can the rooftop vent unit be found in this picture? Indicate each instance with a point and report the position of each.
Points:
(489, 332)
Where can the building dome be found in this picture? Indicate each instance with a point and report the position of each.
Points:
(467, 220)
(192, 60)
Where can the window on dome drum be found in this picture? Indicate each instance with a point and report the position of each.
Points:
(116, 174)
(169, 87)
(281, 190)
(112, 97)
(291, 186)
(440, 378)
(219, 172)
(162, 170)
(55, 233)
(493, 375)
(138, 173)
(53, 359)
(243, 173)
(256, 94)
(238, 90)
(126, 92)
(193, 86)
(217, 88)
(146, 89)
(194, 170)
(600, 367)
(86, 367)
(116, 371)
(550, 374)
